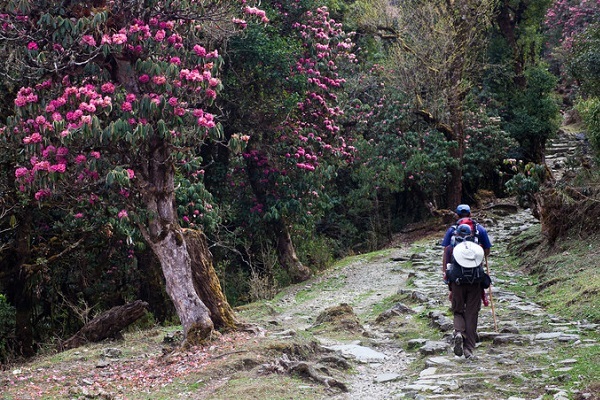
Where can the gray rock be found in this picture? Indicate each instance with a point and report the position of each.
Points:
(383, 378)
(360, 353)
(432, 347)
(414, 343)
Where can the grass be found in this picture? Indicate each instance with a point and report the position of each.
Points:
(271, 387)
(329, 284)
(565, 279)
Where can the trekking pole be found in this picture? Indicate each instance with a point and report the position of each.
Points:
(491, 298)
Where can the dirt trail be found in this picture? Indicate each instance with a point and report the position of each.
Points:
(390, 362)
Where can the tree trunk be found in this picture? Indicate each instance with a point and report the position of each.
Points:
(19, 288)
(507, 19)
(177, 267)
(109, 324)
(454, 197)
(287, 254)
(166, 239)
(206, 281)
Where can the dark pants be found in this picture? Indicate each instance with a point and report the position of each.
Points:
(466, 303)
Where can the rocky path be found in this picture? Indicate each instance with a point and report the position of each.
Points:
(391, 362)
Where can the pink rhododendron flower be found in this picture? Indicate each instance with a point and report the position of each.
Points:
(35, 138)
(122, 214)
(211, 94)
(108, 87)
(130, 173)
(57, 168)
(48, 151)
(126, 106)
(159, 80)
(144, 78)
(199, 50)
(32, 46)
(160, 35)
(80, 159)
(95, 154)
(119, 38)
(78, 215)
(40, 194)
(89, 40)
(21, 172)
(243, 24)
(41, 166)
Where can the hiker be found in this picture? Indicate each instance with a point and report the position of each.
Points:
(466, 245)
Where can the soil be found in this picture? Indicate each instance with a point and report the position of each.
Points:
(375, 326)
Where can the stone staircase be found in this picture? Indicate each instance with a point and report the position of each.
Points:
(565, 152)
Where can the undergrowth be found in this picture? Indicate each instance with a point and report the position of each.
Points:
(567, 281)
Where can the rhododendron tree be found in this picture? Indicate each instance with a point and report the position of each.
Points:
(565, 19)
(572, 29)
(121, 95)
(293, 67)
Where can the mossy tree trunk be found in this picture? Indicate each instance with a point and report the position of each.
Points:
(206, 281)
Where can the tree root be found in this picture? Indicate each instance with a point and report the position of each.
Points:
(306, 370)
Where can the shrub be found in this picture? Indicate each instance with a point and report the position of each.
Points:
(7, 327)
(526, 182)
(590, 113)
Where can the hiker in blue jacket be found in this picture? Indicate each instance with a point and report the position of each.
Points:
(466, 297)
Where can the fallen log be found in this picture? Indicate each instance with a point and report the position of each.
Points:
(107, 325)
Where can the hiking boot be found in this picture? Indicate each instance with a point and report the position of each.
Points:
(458, 344)
(468, 354)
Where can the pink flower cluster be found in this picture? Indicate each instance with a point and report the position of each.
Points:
(257, 12)
(25, 96)
(71, 115)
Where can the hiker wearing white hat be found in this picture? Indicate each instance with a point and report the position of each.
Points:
(465, 250)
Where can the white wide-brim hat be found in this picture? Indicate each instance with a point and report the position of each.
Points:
(468, 254)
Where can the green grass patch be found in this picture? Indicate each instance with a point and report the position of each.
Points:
(565, 277)
(330, 284)
(271, 387)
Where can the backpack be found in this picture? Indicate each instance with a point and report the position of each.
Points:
(473, 237)
(470, 254)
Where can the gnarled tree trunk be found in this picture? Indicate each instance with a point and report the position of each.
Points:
(109, 324)
(206, 281)
(167, 240)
